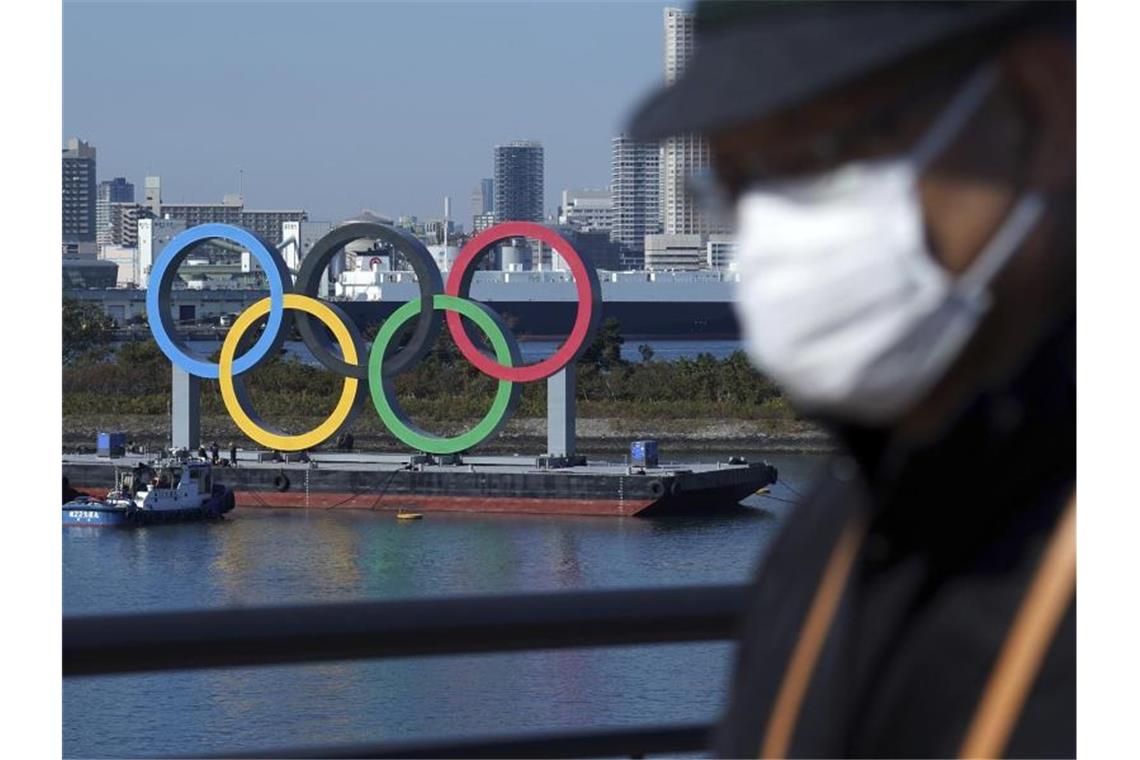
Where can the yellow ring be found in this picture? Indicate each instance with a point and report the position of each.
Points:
(279, 441)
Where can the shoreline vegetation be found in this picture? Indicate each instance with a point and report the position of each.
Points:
(688, 405)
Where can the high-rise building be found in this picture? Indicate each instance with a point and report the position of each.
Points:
(686, 154)
(680, 42)
(109, 192)
(125, 223)
(483, 198)
(635, 181)
(78, 199)
(519, 180)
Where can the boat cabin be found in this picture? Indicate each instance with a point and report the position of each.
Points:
(172, 484)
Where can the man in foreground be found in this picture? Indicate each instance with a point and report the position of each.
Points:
(903, 182)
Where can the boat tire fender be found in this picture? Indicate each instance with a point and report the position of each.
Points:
(656, 489)
(281, 482)
(675, 488)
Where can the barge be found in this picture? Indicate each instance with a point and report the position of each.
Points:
(379, 482)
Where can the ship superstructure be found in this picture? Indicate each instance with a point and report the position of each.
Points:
(541, 303)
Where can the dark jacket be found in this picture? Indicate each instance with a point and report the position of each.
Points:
(948, 540)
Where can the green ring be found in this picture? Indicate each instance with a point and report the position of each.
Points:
(383, 391)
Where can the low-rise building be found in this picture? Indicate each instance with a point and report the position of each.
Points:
(675, 252)
(594, 245)
(127, 259)
(82, 273)
(720, 252)
(587, 210)
(483, 221)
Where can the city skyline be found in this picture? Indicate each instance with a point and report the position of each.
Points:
(287, 137)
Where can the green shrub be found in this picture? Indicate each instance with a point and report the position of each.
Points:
(443, 387)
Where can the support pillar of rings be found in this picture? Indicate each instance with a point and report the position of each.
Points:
(561, 412)
(185, 409)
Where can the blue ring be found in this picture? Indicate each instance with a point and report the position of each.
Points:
(161, 279)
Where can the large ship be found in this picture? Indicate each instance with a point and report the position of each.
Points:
(694, 305)
(542, 304)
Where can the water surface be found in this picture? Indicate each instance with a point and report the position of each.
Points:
(260, 557)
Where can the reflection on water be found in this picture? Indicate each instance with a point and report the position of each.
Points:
(292, 557)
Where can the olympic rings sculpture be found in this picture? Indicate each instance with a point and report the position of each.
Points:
(296, 302)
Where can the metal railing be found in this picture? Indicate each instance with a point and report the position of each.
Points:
(109, 644)
(638, 741)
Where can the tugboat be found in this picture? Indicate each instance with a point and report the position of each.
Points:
(179, 489)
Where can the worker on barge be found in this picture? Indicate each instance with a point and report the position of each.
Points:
(902, 177)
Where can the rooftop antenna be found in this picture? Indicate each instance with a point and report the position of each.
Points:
(241, 183)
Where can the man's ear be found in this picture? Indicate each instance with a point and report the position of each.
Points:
(1042, 69)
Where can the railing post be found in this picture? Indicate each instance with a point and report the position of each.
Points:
(185, 409)
(561, 412)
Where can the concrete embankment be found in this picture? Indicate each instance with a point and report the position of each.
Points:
(602, 435)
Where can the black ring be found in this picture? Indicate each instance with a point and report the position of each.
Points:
(427, 273)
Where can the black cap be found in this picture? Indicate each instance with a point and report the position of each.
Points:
(754, 58)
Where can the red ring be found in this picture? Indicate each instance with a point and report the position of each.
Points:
(568, 351)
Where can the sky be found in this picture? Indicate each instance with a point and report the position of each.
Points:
(336, 108)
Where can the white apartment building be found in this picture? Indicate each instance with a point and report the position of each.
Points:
(636, 177)
(681, 155)
(154, 234)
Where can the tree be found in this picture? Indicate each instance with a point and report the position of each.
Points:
(85, 327)
(605, 352)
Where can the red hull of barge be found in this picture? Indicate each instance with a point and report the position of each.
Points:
(275, 500)
(294, 500)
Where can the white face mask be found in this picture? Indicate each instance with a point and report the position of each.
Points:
(840, 300)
